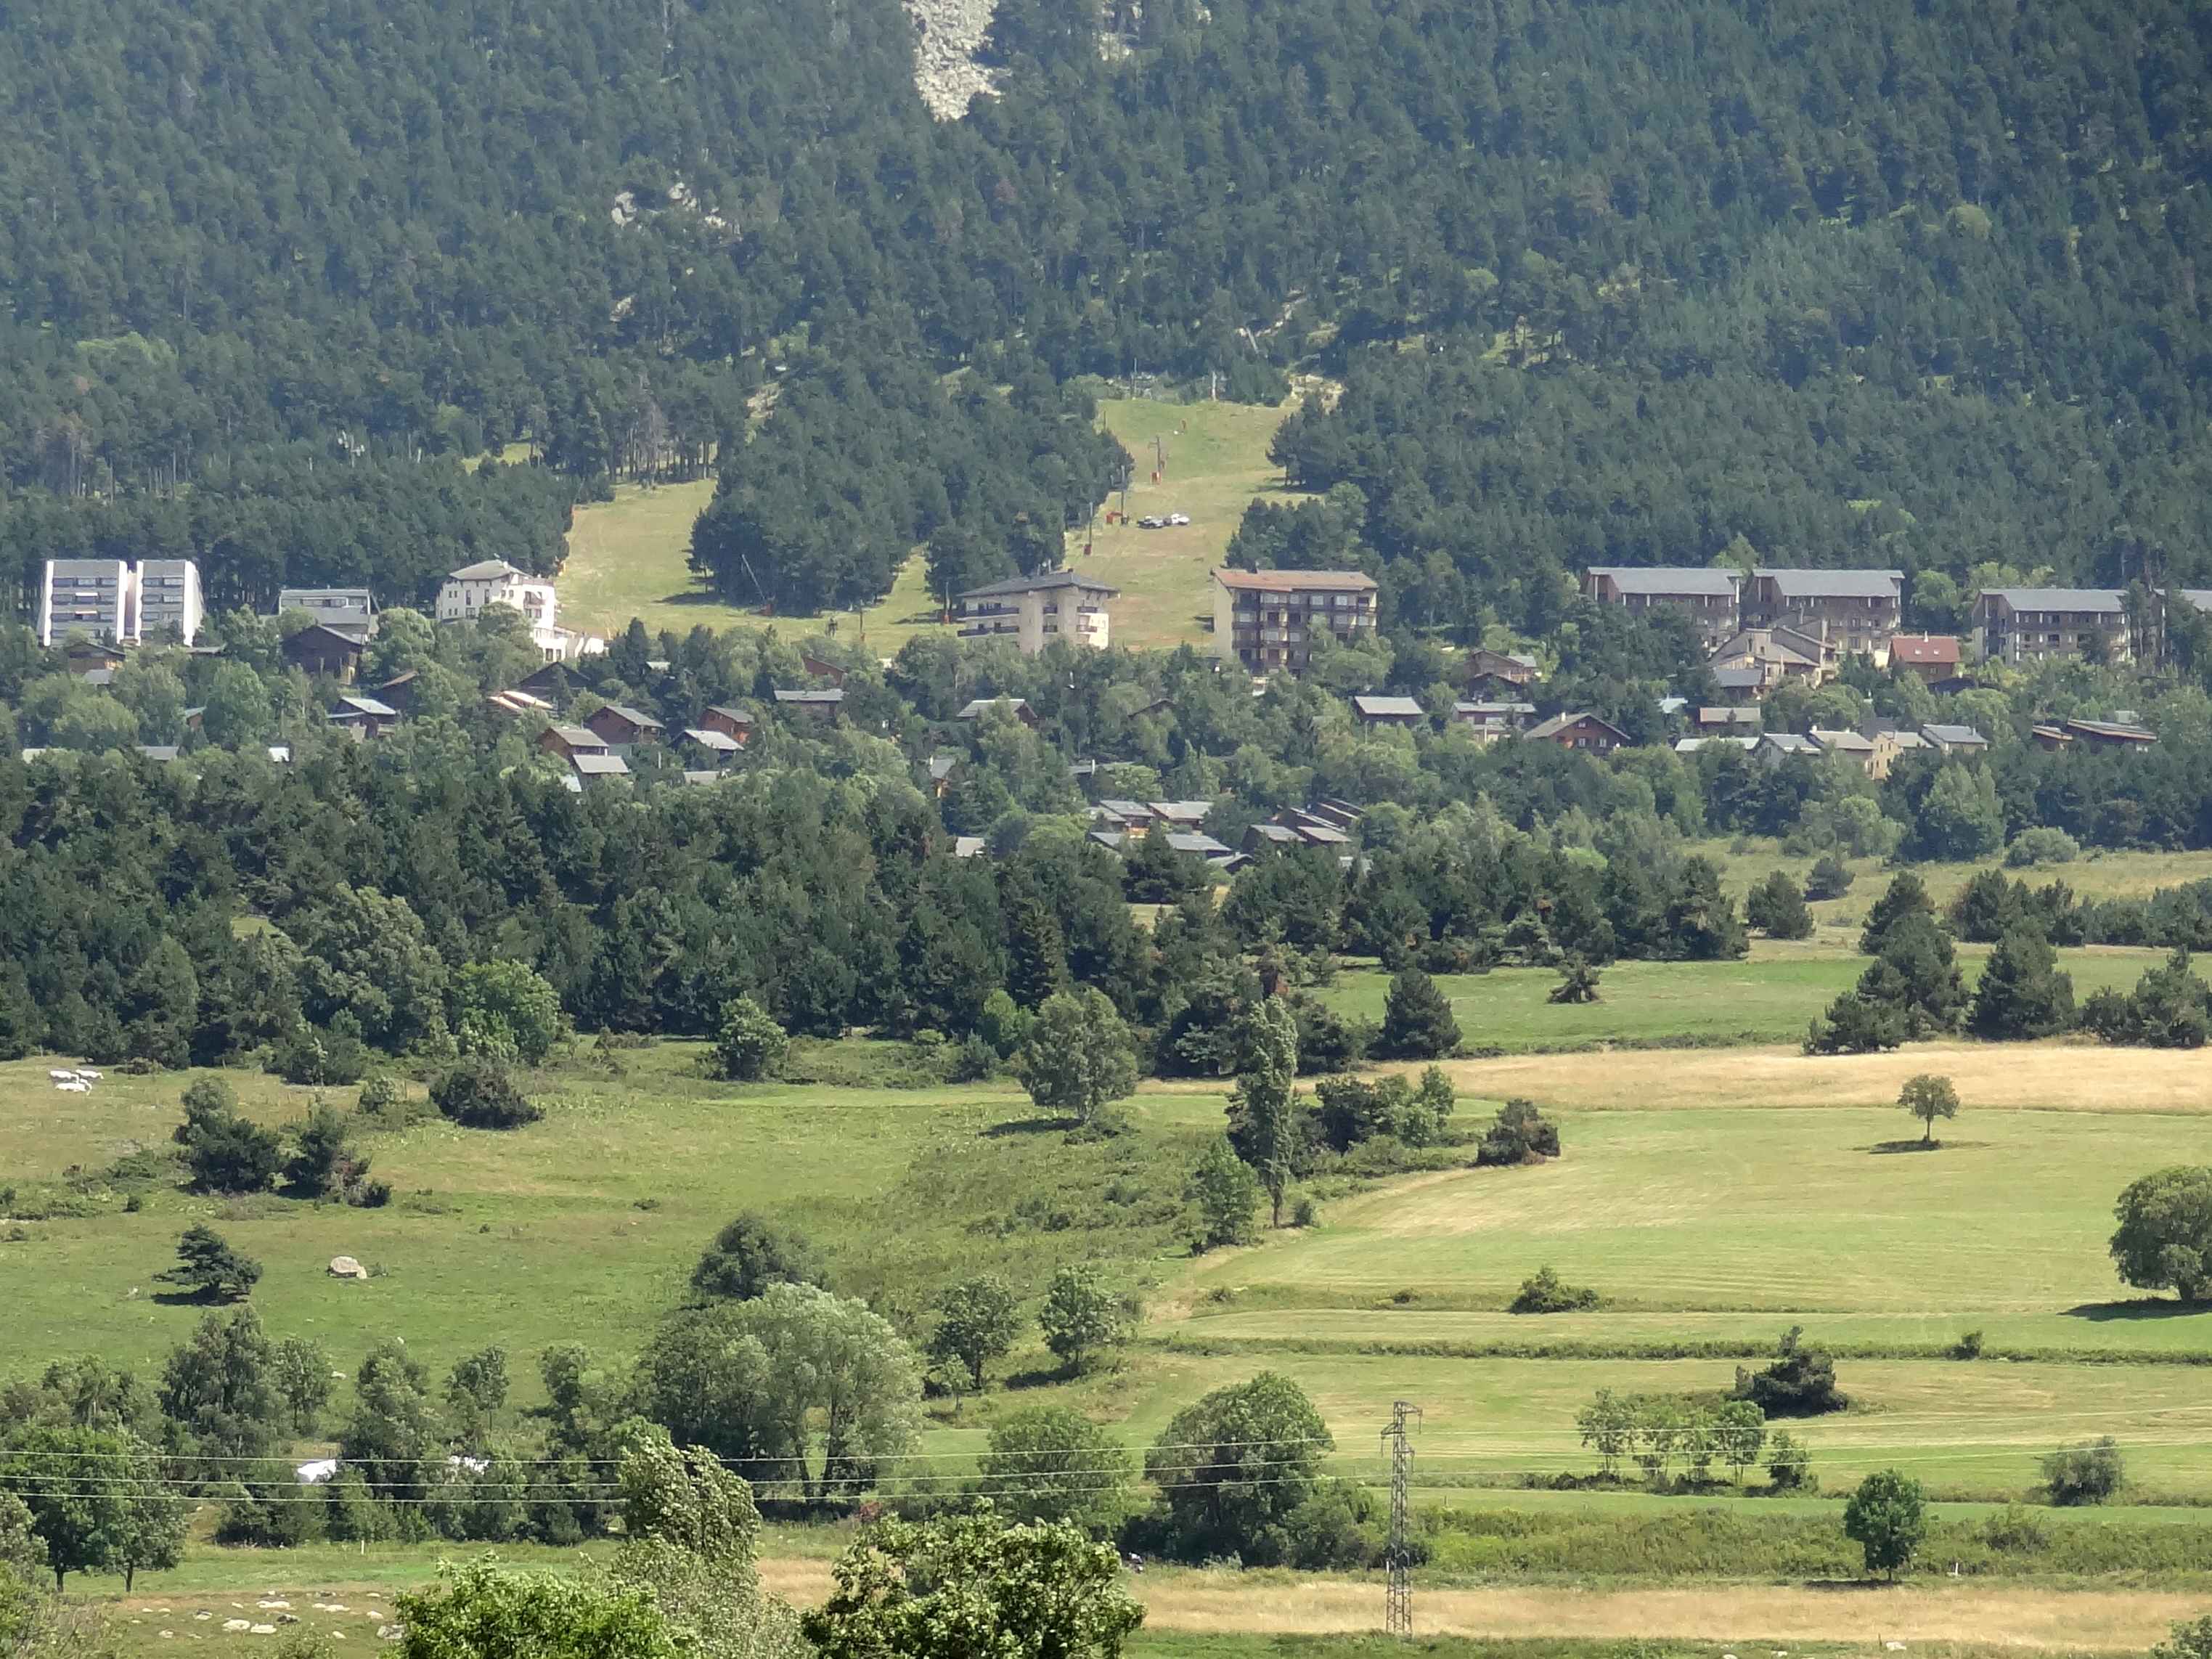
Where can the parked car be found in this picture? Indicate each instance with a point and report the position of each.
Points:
(1178, 517)
(1152, 522)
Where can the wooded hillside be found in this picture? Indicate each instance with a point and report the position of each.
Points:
(1913, 282)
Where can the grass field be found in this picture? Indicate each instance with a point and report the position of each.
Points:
(1225, 1615)
(1770, 997)
(627, 557)
(579, 1228)
(1217, 456)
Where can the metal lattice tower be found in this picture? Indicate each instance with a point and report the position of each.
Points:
(1398, 1612)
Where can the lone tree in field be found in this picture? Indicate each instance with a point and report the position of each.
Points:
(1234, 1466)
(2165, 1234)
(1266, 1116)
(1078, 1059)
(976, 1324)
(1577, 982)
(1079, 1316)
(1417, 1019)
(1887, 1519)
(208, 1270)
(1928, 1097)
(750, 1046)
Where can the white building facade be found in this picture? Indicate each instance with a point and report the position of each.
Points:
(119, 602)
(473, 588)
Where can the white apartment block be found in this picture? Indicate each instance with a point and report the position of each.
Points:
(119, 602)
(473, 588)
(1039, 610)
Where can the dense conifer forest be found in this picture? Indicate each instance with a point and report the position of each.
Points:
(1913, 282)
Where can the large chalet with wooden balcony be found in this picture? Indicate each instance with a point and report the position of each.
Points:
(1267, 620)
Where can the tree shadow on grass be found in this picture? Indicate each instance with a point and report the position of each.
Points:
(1845, 1586)
(1028, 1126)
(1883, 1148)
(1043, 1376)
(2141, 1307)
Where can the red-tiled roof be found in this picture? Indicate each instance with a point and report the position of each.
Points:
(1924, 648)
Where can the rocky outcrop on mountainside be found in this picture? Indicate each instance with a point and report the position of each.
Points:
(947, 33)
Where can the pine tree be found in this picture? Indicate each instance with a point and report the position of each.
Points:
(2024, 993)
(1417, 1019)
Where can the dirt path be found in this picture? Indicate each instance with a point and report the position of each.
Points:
(1990, 1614)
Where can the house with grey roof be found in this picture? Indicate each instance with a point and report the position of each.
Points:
(1955, 740)
(1374, 711)
(362, 717)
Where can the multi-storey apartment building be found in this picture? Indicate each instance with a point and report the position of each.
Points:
(169, 599)
(2037, 624)
(1267, 619)
(1857, 612)
(1709, 597)
(1059, 605)
(115, 600)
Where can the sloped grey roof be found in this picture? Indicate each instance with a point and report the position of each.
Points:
(599, 765)
(1834, 584)
(1952, 736)
(1050, 579)
(1664, 580)
(1372, 707)
(2103, 600)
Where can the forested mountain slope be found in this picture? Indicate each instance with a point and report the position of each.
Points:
(1691, 268)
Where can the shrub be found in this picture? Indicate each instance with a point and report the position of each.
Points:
(1789, 1464)
(315, 1056)
(1968, 1346)
(1777, 908)
(225, 1151)
(1577, 982)
(1520, 1135)
(1829, 879)
(2041, 844)
(1887, 1518)
(750, 1045)
(750, 1254)
(1800, 1382)
(1544, 1293)
(1227, 1194)
(479, 1094)
(2089, 1473)
(383, 1099)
